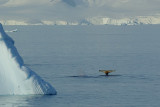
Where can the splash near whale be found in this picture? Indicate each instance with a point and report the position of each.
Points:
(15, 77)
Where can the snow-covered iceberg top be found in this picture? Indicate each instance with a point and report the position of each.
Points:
(15, 77)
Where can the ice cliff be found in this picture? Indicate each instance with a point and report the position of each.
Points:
(99, 20)
(15, 77)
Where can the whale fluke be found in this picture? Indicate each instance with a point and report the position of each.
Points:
(107, 71)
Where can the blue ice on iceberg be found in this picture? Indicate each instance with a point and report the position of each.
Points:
(15, 77)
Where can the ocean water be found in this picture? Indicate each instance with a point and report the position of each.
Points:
(70, 57)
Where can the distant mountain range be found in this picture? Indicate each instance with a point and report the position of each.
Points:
(79, 12)
(90, 21)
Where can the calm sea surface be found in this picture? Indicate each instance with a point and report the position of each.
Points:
(70, 57)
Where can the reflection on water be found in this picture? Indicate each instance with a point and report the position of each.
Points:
(26, 100)
(99, 76)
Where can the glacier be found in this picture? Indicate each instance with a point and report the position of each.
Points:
(98, 20)
(15, 77)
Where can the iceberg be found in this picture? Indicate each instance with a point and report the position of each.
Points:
(15, 77)
(15, 30)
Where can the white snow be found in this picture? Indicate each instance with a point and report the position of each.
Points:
(98, 20)
(124, 21)
(15, 77)
(13, 22)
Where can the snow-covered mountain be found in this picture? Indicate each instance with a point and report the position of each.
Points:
(79, 12)
(125, 21)
(90, 21)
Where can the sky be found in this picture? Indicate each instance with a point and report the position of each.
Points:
(35, 10)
